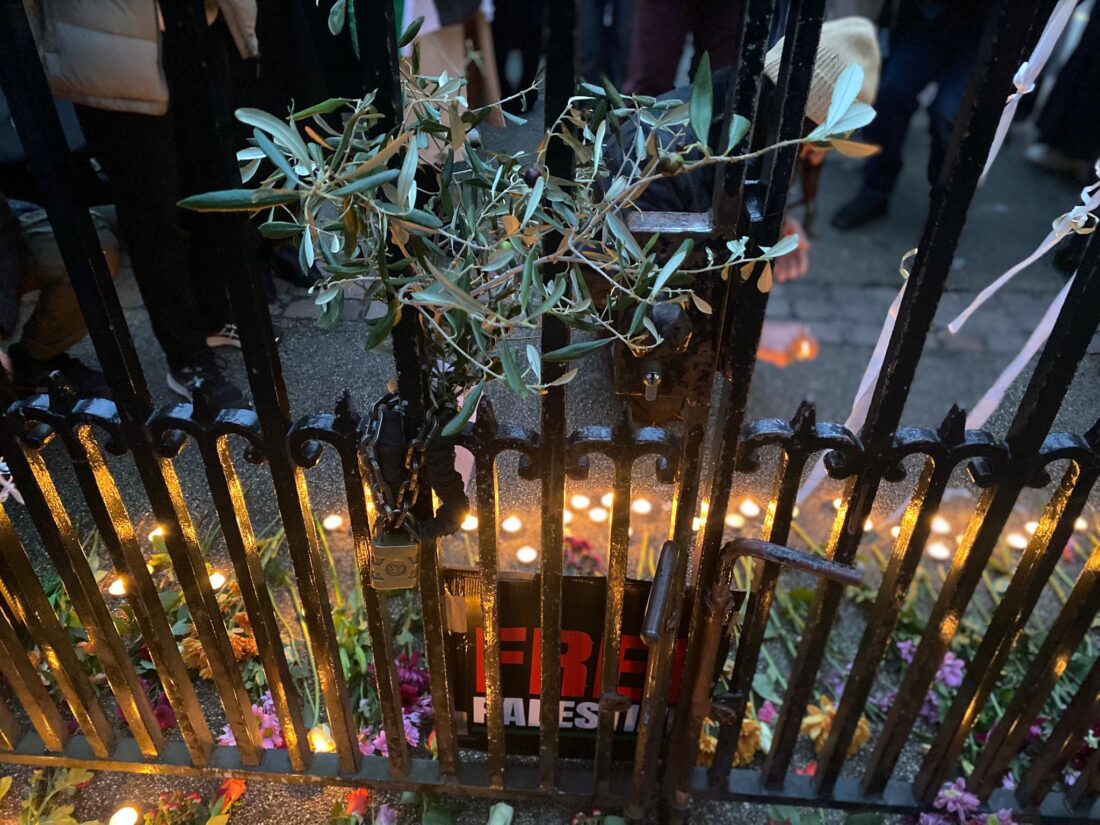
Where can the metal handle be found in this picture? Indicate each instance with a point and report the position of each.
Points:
(793, 559)
(656, 608)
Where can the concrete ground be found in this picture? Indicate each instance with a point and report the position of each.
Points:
(852, 279)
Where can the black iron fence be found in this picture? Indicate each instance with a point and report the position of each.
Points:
(664, 768)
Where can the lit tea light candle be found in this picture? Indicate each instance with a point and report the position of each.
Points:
(566, 516)
(1080, 525)
(127, 815)
(1031, 527)
(836, 503)
(868, 526)
(469, 523)
(607, 498)
(217, 580)
(938, 551)
(320, 740)
(895, 531)
(941, 525)
(332, 522)
(580, 502)
(158, 533)
(795, 512)
(749, 508)
(642, 506)
(1017, 540)
(735, 520)
(527, 554)
(598, 515)
(117, 588)
(512, 524)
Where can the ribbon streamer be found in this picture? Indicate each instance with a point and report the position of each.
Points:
(1028, 73)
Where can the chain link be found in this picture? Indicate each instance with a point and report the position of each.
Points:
(394, 512)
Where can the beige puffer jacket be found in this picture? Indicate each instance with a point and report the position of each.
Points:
(107, 54)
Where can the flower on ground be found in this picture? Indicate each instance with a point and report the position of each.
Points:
(195, 657)
(386, 815)
(809, 769)
(747, 743)
(767, 713)
(357, 803)
(271, 733)
(231, 790)
(956, 799)
(708, 744)
(907, 648)
(819, 721)
(951, 670)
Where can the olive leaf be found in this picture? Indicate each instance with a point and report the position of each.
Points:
(702, 100)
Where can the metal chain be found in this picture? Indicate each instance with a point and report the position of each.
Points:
(395, 511)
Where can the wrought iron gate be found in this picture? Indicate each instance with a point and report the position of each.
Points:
(665, 763)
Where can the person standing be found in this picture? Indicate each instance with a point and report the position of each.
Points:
(933, 41)
(661, 28)
(118, 67)
(605, 28)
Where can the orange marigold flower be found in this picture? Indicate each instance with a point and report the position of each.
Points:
(241, 620)
(747, 743)
(358, 803)
(819, 721)
(195, 657)
(244, 647)
(707, 746)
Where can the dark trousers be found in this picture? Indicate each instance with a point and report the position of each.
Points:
(934, 45)
(1070, 119)
(604, 39)
(518, 27)
(661, 28)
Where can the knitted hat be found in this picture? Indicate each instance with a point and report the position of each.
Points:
(844, 41)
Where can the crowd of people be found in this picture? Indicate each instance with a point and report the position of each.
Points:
(125, 82)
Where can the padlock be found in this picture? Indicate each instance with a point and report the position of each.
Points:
(394, 561)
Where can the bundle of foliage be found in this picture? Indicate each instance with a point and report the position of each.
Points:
(482, 246)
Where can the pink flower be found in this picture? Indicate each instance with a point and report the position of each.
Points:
(386, 815)
(767, 713)
(271, 735)
(412, 732)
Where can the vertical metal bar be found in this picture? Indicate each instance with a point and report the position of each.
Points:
(110, 517)
(375, 602)
(63, 547)
(1064, 741)
(1049, 383)
(915, 528)
(240, 543)
(30, 605)
(488, 514)
(559, 160)
(25, 683)
(49, 159)
(1035, 567)
(248, 297)
(997, 60)
(618, 553)
(804, 27)
(776, 529)
(1066, 633)
(9, 729)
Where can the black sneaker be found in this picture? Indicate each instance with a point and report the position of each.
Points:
(862, 209)
(220, 392)
(30, 376)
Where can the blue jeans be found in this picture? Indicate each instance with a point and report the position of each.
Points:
(931, 44)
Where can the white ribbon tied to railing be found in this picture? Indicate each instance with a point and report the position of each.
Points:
(1028, 74)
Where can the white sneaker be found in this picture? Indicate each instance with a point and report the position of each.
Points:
(1047, 157)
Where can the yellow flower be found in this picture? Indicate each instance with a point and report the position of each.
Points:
(748, 742)
(819, 721)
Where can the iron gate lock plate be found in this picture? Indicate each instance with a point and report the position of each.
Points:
(394, 562)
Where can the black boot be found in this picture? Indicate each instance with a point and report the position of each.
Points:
(863, 208)
(30, 376)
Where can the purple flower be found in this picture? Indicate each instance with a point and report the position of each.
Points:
(767, 713)
(932, 819)
(954, 798)
(930, 708)
(1004, 817)
(951, 670)
(906, 649)
(386, 815)
(412, 732)
(1009, 782)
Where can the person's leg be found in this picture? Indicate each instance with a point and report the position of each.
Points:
(660, 29)
(138, 154)
(951, 86)
(56, 322)
(713, 32)
(916, 54)
(590, 56)
(621, 33)
(1070, 120)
